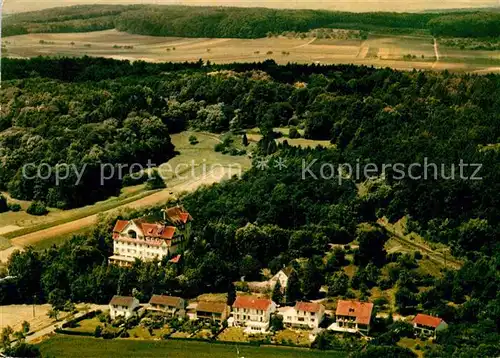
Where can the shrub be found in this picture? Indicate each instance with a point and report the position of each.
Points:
(294, 133)
(37, 208)
(14, 207)
(3, 204)
(124, 334)
(155, 181)
(193, 140)
(129, 180)
(219, 147)
(98, 332)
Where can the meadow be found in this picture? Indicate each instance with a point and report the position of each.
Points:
(66, 346)
(404, 52)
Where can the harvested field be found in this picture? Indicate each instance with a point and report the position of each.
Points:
(399, 52)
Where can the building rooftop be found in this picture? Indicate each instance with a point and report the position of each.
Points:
(426, 320)
(211, 307)
(308, 307)
(171, 301)
(122, 301)
(252, 302)
(362, 311)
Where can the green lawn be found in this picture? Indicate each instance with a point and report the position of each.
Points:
(62, 346)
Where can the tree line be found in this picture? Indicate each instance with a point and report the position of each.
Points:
(241, 22)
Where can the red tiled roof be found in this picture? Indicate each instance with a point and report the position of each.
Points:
(178, 215)
(426, 320)
(156, 230)
(252, 302)
(170, 301)
(308, 307)
(361, 310)
(211, 307)
(122, 301)
(175, 259)
(120, 225)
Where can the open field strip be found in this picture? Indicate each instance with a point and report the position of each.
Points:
(378, 50)
(70, 346)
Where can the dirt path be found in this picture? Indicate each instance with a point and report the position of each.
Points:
(306, 44)
(436, 52)
(210, 177)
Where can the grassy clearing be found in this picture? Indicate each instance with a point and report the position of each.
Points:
(415, 344)
(233, 334)
(67, 346)
(87, 325)
(254, 136)
(58, 240)
(300, 338)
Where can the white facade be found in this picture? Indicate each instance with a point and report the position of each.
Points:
(253, 319)
(429, 331)
(282, 277)
(123, 309)
(297, 317)
(133, 243)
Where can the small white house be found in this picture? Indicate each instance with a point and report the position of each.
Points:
(428, 325)
(124, 306)
(281, 276)
(303, 314)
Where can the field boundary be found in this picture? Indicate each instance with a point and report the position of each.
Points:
(29, 230)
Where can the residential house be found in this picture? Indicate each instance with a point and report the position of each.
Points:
(303, 314)
(169, 305)
(209, 311)
(352, 317)
(428, 325)
(253, 313)
(145, 240)
(281, 276)
(123, 306)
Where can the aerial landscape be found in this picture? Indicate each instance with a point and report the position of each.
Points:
(250, 179)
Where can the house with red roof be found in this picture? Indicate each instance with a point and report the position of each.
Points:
(252, 313)
(146, 240)
(303, 314)
(352, 317)
(426, 325)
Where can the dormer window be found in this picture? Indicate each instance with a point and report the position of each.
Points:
(132, 234)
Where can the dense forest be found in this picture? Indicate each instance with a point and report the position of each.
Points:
(114, 110)
(228, 22)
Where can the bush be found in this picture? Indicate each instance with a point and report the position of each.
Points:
(37, 208)
(128, 180)
(219, 147)
(294, 133)
(3, 204)
(124, 334)
(14, 207)
(155, 181)
(193, 140)
(98, 332)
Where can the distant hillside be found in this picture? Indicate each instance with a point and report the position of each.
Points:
(15, 6)
(229, 22)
